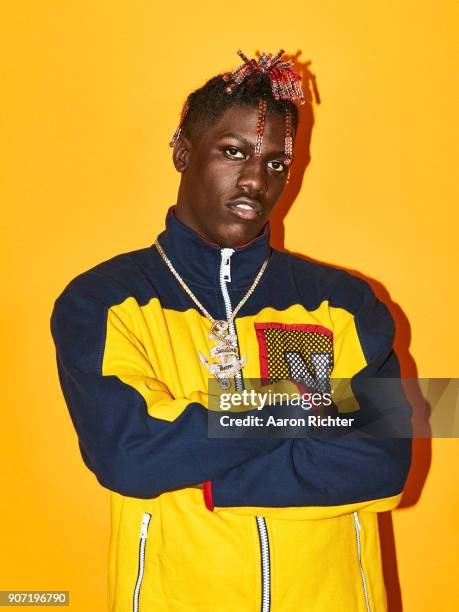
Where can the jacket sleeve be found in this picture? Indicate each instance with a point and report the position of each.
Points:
(112, 405)
(317, 477)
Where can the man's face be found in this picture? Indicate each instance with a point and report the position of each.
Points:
(226, 193)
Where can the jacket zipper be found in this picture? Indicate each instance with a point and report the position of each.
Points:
(142, 541)
(359, 554)
(225, 277)
(265, 564)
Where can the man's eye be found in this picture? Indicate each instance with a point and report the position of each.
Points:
(277, 166)
(234, 152)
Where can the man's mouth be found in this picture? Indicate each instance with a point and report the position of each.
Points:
(245, 209)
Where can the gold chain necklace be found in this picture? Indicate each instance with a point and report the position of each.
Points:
(226, 350)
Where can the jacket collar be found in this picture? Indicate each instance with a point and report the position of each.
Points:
(198, 261)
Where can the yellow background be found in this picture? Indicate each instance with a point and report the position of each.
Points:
(91, 93)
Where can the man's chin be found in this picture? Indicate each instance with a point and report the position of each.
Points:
(236, 234)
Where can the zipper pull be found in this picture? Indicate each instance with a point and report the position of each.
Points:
(144, 527)
(225, 270)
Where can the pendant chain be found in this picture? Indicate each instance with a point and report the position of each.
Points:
(195, 299)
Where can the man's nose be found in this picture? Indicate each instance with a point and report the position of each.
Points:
(253, 176)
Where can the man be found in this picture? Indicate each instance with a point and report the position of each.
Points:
(281, 524)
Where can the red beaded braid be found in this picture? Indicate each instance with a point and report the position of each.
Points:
(262, 107)
(285, 85)
(288, 137)
(178, 131)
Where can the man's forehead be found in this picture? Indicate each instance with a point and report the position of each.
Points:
(240, 123)
(242, 115)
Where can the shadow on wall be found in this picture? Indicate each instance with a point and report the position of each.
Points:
(422, 446)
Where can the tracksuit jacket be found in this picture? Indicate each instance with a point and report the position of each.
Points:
(283, 525)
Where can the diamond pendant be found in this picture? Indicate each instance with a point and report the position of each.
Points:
(226, 352)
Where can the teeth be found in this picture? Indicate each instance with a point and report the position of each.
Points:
(245, 206)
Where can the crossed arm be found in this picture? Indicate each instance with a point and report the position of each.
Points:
(138, 455)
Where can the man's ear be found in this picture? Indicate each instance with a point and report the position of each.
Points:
(181, 153)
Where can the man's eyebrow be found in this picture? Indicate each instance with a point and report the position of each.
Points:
(247, 143)
(237, 137)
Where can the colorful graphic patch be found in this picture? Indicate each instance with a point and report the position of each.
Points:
(295, 351)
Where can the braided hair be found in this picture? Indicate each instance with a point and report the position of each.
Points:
(270, 84)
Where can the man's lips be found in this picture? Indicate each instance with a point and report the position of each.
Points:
(245, 208)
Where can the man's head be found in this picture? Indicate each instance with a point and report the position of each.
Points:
(233, 148)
